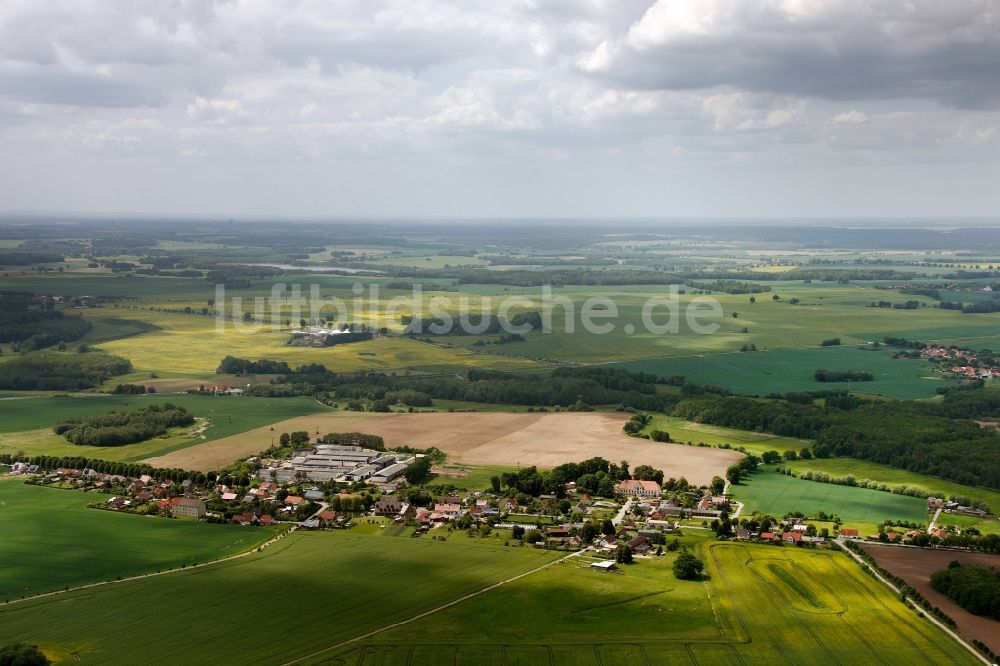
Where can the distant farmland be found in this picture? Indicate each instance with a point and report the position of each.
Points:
(785, 370)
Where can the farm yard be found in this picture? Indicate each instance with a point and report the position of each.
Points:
(915, 566)
(84, 545)
(486, 438)
(777, 494)
(821, 609)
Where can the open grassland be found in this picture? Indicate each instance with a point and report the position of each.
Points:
(300, 595)
(863, 469)
(761, 605)
(777, 494)
(689, 432)
(486, 438)
(52, 540)
(26, 423)
(915, 566)
(785, 370)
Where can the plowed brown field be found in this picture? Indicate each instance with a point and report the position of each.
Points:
(485, 438)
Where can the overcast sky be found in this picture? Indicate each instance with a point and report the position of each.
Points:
(564, 108)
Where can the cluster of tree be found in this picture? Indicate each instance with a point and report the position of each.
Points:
(974, 588)
(59, 372)
(476, 324)
(734, 287)
(843, 376)
(121, 428)
(133, 389)
(564, 387)
(29, 258)
(504, 339)
(346, 337)
(688, 566)
(22, 654)
(992, 305)
(374, 442)
(916, 436)
(240, 366)
(419, 471)
(596, 476)
(637, 422)
(32, 328)
(744, 468)
(831, 342)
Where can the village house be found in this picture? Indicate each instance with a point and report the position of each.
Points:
(639, 545)
(388, 505)
(848, 533)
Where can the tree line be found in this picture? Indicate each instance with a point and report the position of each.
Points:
(916, 436)
(58, 372)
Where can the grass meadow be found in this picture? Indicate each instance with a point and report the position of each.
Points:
(303, 594)
(26, 423)
(863, 469)
(84, 545)
(689, 432)
(777, 494)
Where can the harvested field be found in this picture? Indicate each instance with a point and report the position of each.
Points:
(481, 438)
(915, 566)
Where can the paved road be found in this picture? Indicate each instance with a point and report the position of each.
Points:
(617, 520)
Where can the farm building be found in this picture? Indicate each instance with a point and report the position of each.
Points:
(604, 565)
(188, 507)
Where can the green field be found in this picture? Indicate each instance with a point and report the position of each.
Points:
(51, 540)
(785, 370)
(778, 494)
(863, 469)
(689, 432)
(821, 609)
(300, 595)
(26, 423)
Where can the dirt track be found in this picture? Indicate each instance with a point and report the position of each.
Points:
(485, 438)
(915, 566)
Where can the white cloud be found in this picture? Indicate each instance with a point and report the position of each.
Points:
(590, 97)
